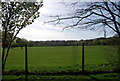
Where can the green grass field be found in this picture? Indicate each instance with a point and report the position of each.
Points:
(56, 59)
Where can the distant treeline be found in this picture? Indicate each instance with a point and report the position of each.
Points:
(19, 42)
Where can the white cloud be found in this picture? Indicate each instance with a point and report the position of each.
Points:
(39, 31)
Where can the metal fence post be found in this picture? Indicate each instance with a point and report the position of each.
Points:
(26, 63)
(83, 57)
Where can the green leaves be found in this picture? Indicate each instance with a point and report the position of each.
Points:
(15, 16)
(20, 13)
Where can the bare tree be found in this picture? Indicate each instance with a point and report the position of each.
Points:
(93, 16)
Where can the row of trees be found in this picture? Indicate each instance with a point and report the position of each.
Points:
(20, 42)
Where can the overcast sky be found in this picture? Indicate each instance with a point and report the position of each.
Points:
(40, 31)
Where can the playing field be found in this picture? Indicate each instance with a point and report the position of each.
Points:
(56, 59)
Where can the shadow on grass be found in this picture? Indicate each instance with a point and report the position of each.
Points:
(63, 80)
(14, 72)
(68, 76)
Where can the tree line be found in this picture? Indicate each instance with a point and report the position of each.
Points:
(20, 42)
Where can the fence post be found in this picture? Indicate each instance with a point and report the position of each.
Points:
(26, 63)
(83, 57)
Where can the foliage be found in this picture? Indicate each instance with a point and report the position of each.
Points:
(89, 42)
(16, 16)
(21, 42)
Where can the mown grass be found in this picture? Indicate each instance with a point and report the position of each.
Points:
(56, 59)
